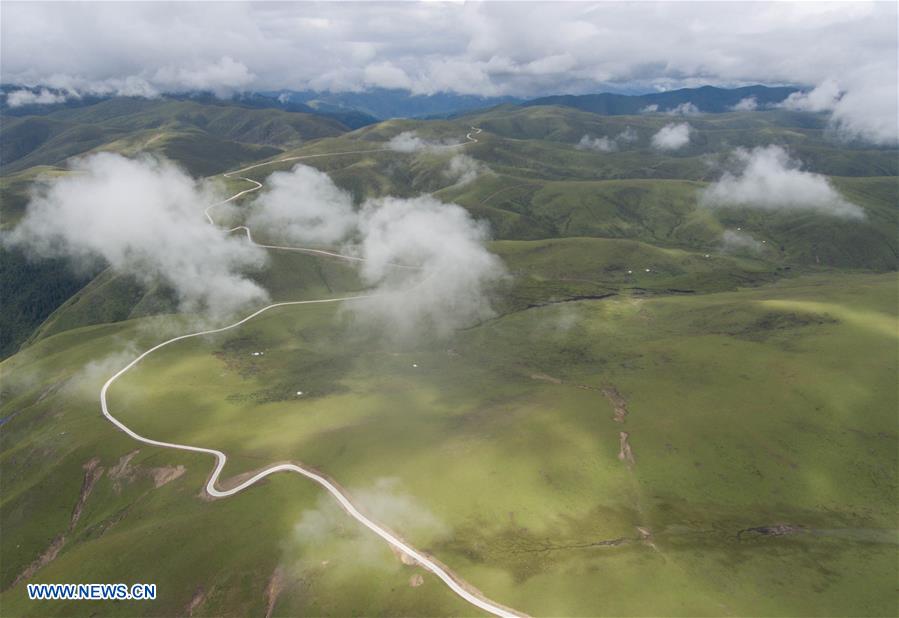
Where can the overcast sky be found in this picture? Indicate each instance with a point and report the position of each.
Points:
(473, 48)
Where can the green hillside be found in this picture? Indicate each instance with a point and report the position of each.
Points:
(745, 410)
(203, 138)
(652, 422)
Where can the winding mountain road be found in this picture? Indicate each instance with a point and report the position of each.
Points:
(454, 583)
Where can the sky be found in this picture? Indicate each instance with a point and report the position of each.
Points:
(494, 48)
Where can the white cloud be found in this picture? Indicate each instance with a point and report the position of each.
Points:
(328, 528)
(302, 206)
(748, 104)
(599, 144)
(684, 109)
(409, 141)
(386, 75)
(733, 241)
(673, 136)
(866, 110)
(649, 109)
(145, 218)
(454, 271)
(472, 48)
(425, 261)
(18, 98)
(607, 144)
(769, 179)
(464, 169)
(222, 77)
(820, 99)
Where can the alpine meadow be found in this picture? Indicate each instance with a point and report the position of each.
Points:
(576, 309)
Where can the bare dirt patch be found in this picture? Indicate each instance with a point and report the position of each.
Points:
(124, 472)
(273, 590)
(774, 530)
(545, 378)
(402, 556)
(646, 537)
(196, 601)
(43, 560)
(619, 403)
(92, 473)
(164, 475)
(416, 580)
(625, 452)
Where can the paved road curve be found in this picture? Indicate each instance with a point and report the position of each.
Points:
(452, 582)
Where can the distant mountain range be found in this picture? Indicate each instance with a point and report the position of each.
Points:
(359, 109)
(686, 100)
(385, 104)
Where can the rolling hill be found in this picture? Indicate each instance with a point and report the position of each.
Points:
(650, 422)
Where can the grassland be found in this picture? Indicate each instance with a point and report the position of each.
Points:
(746, 409)
(757, 390)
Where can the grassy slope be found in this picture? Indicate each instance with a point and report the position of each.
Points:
(746, 409)
(737, 428)
(204, 138)
(547, 189)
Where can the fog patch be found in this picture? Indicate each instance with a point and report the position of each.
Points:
(327, 533)
(607, 144)
(821, 98)
(649, 109)
(451, 270)
(145, 218)
(302, 206)
(599, 144)
(733, 241)
(425, 261)
(684, 109)
(88, 379)
(673, 136)
(22, 97)
(749, 104)
(768, 179)
(464, 169)
(866, 110)
(409, 141)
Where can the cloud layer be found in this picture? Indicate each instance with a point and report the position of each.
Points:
(472, 48)
(768, 179)
(145, 218)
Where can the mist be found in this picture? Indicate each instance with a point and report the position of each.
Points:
(733, 241)
(748, 104)
(607, 144)
(672, 136)
(464, 169)
(409, 141)
(302, 206)
(425, 261)
(144, 217)
(767, 178)
(598, 144)
(329, 529)
(453, 271)
(684, 109)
